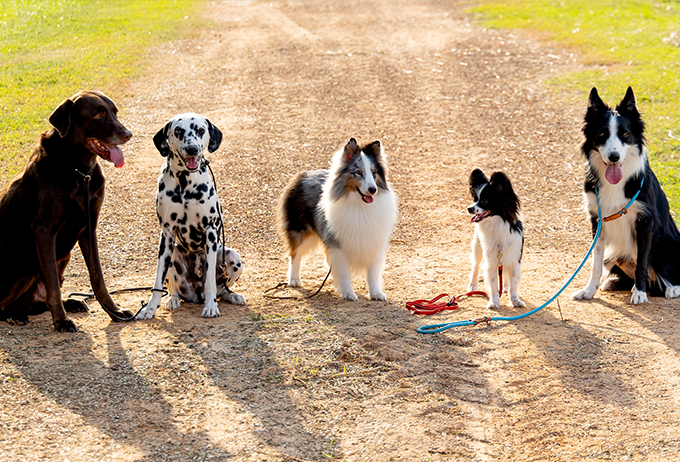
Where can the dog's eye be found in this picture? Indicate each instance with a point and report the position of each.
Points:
(625, 135)
(100, 115)
(200, 132)
(179, 132)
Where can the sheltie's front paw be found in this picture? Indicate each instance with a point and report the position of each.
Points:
(351, 296)
(378, 296)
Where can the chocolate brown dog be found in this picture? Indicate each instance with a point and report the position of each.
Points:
(53, 204)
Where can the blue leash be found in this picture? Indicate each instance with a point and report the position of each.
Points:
(435, 328)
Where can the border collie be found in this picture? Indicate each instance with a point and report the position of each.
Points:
(640, 249)
(499, 236)
(351, 210)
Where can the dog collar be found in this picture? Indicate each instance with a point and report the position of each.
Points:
(624, 210)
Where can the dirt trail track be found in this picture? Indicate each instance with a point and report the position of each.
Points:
(289, 82)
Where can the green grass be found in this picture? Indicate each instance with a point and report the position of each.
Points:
(51, 49)
(623, 41)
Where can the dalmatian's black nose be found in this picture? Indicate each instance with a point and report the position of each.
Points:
(192, 150)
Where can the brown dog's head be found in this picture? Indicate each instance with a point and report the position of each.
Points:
(89, 118)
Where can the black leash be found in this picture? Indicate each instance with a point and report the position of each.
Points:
(280, 285)
(87, 177)
(223, 265)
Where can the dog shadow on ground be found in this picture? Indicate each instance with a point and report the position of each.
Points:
(575, 353)
(111, 396)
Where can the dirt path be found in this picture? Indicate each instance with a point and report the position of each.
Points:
(288, 83)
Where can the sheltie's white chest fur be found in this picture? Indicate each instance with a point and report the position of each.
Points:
(362, 230)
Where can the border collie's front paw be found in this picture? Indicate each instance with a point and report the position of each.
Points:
(234, 298)
(378, 296)
(584, 294)
(673, 292)
(351, 296)
(211, 310)
(638, 297)
(173, 303)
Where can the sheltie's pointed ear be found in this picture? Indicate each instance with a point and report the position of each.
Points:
(374, 149)
(351, 149)
(595, 103)
(627, 104)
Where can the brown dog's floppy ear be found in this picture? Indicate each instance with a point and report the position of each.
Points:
(160, 139)
(61, 117)
(215, 137)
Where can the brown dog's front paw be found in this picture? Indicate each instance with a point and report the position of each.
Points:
(65, 325)
(76, 306)
(18, 320)
(123, 316)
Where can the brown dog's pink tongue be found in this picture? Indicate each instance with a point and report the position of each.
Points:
(116, 156)
(613, 173)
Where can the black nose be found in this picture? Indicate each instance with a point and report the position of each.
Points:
(614, 156)
(192, 151)
(372, 190)
(471, 209)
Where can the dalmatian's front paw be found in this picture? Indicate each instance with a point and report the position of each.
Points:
(173, 303)
(211, 310)
(149, 311)
(234, 298)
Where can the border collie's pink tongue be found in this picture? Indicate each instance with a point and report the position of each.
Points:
(613, 173)
(116, 156)
(192, 163)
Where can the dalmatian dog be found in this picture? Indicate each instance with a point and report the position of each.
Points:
(198, 268)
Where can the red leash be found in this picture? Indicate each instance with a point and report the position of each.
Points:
(428, 307)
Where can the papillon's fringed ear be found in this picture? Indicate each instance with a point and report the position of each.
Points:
(61, 117)
(595, 103)
(627, 104)
(215, 137)
(477, 178)
(351, 148)
(500, 181)
(160, 139)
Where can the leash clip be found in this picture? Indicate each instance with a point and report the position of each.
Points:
(485, 319)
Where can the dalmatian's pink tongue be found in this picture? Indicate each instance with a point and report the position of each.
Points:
(192, 163)
(116, 156)
(613, 173)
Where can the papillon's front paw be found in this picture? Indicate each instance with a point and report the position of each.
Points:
(493, 304)
(472, 287)
(584, 294)
(638, 297)
(517, 303)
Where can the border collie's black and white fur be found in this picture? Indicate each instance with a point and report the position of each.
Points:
(641, 249)
(351, 210)
(499, 236)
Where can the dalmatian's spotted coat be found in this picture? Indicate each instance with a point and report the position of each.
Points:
(190, 250)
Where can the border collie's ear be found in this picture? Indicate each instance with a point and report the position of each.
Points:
(627, 104)
(215, 137)
(595, 103)
(351, 149)
(160, 139)
(61, 117)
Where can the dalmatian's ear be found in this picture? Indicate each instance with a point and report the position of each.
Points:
(61, 117)
(215, 137)
(160, 139)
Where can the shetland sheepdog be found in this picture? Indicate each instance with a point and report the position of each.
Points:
(499, 237)
(641, 248)
(350, 210)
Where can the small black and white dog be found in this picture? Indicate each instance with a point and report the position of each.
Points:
(641, 248)
(190, 251)
(499, 236)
